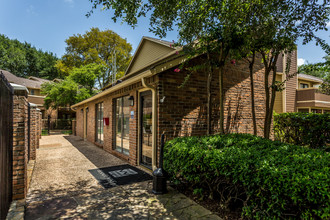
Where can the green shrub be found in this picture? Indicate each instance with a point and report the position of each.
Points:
(66, 132)
(44, 132)
(269, 180)
(305, 129)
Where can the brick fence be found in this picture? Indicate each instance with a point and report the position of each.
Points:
(26, 135)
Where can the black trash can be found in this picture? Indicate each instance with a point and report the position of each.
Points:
(159, 175)
(159, 181)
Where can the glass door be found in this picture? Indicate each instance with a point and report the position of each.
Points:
(122, 125)
(146, 129)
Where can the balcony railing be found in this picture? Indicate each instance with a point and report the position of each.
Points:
(312, 97)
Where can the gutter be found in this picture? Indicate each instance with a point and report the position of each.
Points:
(154, 122)
(127, 82)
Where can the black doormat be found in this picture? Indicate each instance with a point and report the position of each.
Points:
(119, 175)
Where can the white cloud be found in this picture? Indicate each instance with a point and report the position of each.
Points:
(31, 10)
(69, 1)
(301, 61)
(328, 24)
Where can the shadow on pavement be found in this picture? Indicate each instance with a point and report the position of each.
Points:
(94, 154)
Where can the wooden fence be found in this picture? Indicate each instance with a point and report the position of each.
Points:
(6, 145)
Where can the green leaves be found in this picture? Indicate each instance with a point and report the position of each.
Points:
(274, 180)
(24, 60)
(104, 48)
(305, 129)
(76, 87)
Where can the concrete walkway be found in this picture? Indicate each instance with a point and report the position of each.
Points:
(63, 188)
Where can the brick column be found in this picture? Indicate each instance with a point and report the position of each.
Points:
(74, 124)
(20, 144)
(33, 131)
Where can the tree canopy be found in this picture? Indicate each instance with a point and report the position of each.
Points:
(23, 59)
(221, 27)
(105, 48)
(321, 70)
(79, 85)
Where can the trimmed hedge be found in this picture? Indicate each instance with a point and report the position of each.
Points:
(305, 129)
(269, 180)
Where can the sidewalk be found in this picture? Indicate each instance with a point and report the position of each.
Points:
(63, 188)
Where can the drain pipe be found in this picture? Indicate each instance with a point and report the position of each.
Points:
(154, 122)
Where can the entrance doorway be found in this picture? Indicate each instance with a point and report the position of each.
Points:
(145, 144)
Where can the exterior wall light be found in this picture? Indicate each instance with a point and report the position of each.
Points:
(131, 100)
(87, 109)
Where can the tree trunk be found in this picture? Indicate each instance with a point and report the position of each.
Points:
(209, 102)
(272, 101)
(222, 110)
(270, 98)
(252, 95)
(266, 84)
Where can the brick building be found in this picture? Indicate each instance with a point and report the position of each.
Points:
(33, 85)
(128, 117)
(301, 93)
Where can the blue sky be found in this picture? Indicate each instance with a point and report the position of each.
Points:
(47, 23)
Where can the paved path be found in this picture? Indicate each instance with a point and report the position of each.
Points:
(63, 188)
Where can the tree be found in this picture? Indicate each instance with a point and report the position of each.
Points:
(22, 59)
(321, 70)
(219, 28)
(64, 93)
(105, 48)
(280, 25)
(86, 75)
(199, 28)
(78, 86)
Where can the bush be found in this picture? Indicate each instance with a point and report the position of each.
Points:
(305, 129)
(269, 180)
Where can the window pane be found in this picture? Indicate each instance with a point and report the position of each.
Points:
(118, 124)
(146, 133)
(317, 111)
(122, 125)
(125, 131)
(101, 123)
(306, 110)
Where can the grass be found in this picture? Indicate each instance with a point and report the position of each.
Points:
(67, 132)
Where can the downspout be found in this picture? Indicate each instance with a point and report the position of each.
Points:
(154, 122)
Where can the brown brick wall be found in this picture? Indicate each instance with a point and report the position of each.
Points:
(183, 112)
(34, 140)
(21, 141)
(108, 107)
(20, 147)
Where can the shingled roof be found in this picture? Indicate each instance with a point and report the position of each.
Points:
(33, 82)
(309, 77)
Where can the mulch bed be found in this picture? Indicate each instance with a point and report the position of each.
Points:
(212, 205)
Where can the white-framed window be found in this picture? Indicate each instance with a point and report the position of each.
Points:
(99, 134)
